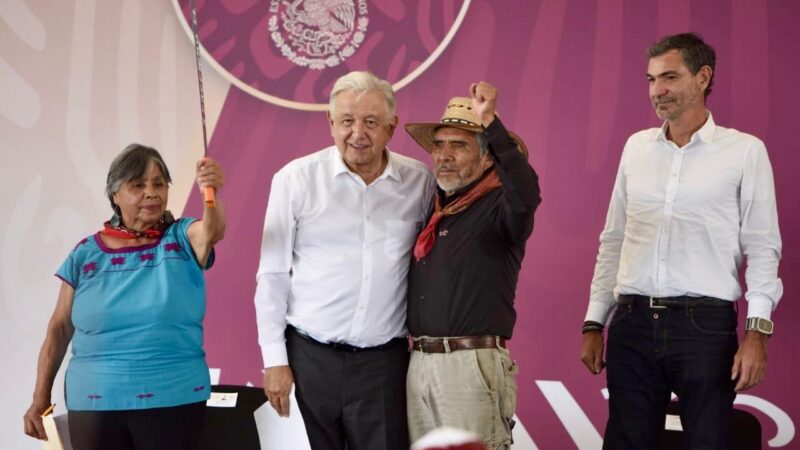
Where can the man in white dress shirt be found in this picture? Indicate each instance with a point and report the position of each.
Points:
(330, 303)
(691, 201)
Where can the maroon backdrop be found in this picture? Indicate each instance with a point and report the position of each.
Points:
(572, 84)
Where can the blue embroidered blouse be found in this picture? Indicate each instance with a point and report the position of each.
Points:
(138, 317)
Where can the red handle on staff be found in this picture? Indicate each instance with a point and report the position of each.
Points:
(209, 195)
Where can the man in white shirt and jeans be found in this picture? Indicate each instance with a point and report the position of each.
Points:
(330, 303)
(691, 200)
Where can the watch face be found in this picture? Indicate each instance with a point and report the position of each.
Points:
(763, 326)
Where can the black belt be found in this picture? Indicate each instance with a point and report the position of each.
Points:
(342, 347)
(447, 345)
(667, 302)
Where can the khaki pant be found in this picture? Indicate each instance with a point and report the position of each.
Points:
(474, 390)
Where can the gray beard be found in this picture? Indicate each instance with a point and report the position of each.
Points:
(450, 187)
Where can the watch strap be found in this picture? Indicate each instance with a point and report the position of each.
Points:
(760, 325)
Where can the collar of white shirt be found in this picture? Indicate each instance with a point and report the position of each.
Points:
(339, 166)
(705, 133)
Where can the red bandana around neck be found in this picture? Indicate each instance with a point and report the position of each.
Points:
(121, 232)
(427, 238)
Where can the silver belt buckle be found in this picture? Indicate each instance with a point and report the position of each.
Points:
(652, 306)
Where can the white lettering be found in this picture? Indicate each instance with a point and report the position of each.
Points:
(522, 439)
(578, 426)
(214, 375)
(585, 435)
(785, 432)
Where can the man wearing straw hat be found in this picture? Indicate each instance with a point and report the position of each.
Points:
(464, 272)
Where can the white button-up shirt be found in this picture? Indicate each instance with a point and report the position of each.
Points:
(682, 219)
(335, 252)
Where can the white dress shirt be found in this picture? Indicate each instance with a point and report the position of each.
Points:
(336, 252)
(681, 220)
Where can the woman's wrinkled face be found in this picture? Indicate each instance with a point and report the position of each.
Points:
(142, 201)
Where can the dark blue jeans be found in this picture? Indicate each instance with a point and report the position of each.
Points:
(653, 352)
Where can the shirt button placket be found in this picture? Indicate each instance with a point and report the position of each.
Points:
(366, 267)
(671, 191)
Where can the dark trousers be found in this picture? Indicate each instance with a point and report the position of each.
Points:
(172, 428)
(653, 352)
(350, 399)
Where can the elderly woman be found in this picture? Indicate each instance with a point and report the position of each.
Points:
(132, 302)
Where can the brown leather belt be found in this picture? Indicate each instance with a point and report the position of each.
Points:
(447, 345)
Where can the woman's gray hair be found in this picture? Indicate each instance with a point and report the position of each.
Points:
(362, 81)
(131, 164)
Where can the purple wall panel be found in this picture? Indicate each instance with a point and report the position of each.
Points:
(571, 80)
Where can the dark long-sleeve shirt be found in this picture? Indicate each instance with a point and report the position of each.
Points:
(466, 284)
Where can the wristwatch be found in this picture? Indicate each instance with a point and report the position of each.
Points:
(759, 325)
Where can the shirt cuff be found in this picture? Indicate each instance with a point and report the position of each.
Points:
(274, 355)
(759, 306)
(599, 311)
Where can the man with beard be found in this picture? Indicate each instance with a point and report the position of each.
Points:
(464, 274)
(690, 201)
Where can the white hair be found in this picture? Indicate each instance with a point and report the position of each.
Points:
(362, 81)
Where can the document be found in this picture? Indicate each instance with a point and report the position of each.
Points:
(53, 441)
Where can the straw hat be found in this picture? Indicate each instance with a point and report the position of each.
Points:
(457, 114)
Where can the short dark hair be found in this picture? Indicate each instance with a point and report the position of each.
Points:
(131, 164)
(694, 51)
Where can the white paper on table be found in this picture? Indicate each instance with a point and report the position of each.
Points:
(673, 423)
(223, 399)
